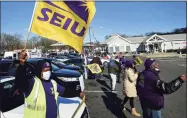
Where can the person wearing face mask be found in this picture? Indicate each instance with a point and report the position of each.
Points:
(150, 89)
(129, 86)
(40, 91)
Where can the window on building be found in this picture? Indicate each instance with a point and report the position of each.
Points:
(117, 48)
(110, 49)
(128, 48)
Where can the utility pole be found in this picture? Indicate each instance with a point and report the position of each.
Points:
(90, 37)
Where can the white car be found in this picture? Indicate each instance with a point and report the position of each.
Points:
(67, 108)
(71, 79)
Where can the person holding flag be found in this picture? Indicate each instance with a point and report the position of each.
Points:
(66, 22)
(40, 91)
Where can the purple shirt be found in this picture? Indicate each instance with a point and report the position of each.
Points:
(51, 110)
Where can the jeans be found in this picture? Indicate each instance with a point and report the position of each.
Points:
(149, 113)
(113, 80)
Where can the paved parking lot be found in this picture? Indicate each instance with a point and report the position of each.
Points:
(104, 104)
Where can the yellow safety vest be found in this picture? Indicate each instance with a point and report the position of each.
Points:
(35, 103)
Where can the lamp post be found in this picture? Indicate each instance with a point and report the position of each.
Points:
(90, 36)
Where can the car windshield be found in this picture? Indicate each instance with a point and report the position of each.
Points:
(54, 67)
(58, 62)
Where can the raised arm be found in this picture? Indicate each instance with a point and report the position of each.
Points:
(174, 85)
(21, 80)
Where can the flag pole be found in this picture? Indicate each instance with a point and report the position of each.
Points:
(29, 30)
(83, 101)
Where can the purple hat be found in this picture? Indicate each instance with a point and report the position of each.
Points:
(45, 65)
(128, 63)
(149, 62)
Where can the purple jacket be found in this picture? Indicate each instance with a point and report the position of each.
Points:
(150, 96)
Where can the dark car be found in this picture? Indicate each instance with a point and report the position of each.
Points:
(70, 55)
(62, 64)
(67, 60)
(183, 51)
(65, 77)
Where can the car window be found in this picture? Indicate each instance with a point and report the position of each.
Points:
(4, 67)
(12, 69)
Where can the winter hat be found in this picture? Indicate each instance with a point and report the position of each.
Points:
(128, 64)
(41, 64)
(45, 65)
(149, 62)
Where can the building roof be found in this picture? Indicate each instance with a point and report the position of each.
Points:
(170, 37)
(137, 39)
(106, 41)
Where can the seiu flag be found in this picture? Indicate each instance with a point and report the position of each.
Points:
(94, 68)
(63, 21)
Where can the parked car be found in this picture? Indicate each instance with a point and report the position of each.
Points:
(68, 78)
(62, 64)
(4, 66)
(9, 100)
(12, 105)
(69, 61)
(66, 109)
(183, 51)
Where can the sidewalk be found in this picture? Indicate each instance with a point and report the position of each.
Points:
(163, 55)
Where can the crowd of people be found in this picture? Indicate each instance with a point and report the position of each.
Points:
(146, 84)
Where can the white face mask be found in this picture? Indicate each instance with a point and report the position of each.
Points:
(46, 75)
(156, 69)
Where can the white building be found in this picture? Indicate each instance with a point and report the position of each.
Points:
(155, 43)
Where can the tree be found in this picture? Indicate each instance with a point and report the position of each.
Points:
(34, 41)
(138, 35)
(17, 40)
(11, 42)
(180, 30)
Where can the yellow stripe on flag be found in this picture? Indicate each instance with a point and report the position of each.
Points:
(94, 68)
(63, 21)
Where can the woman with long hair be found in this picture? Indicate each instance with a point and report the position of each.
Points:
(129, 86)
